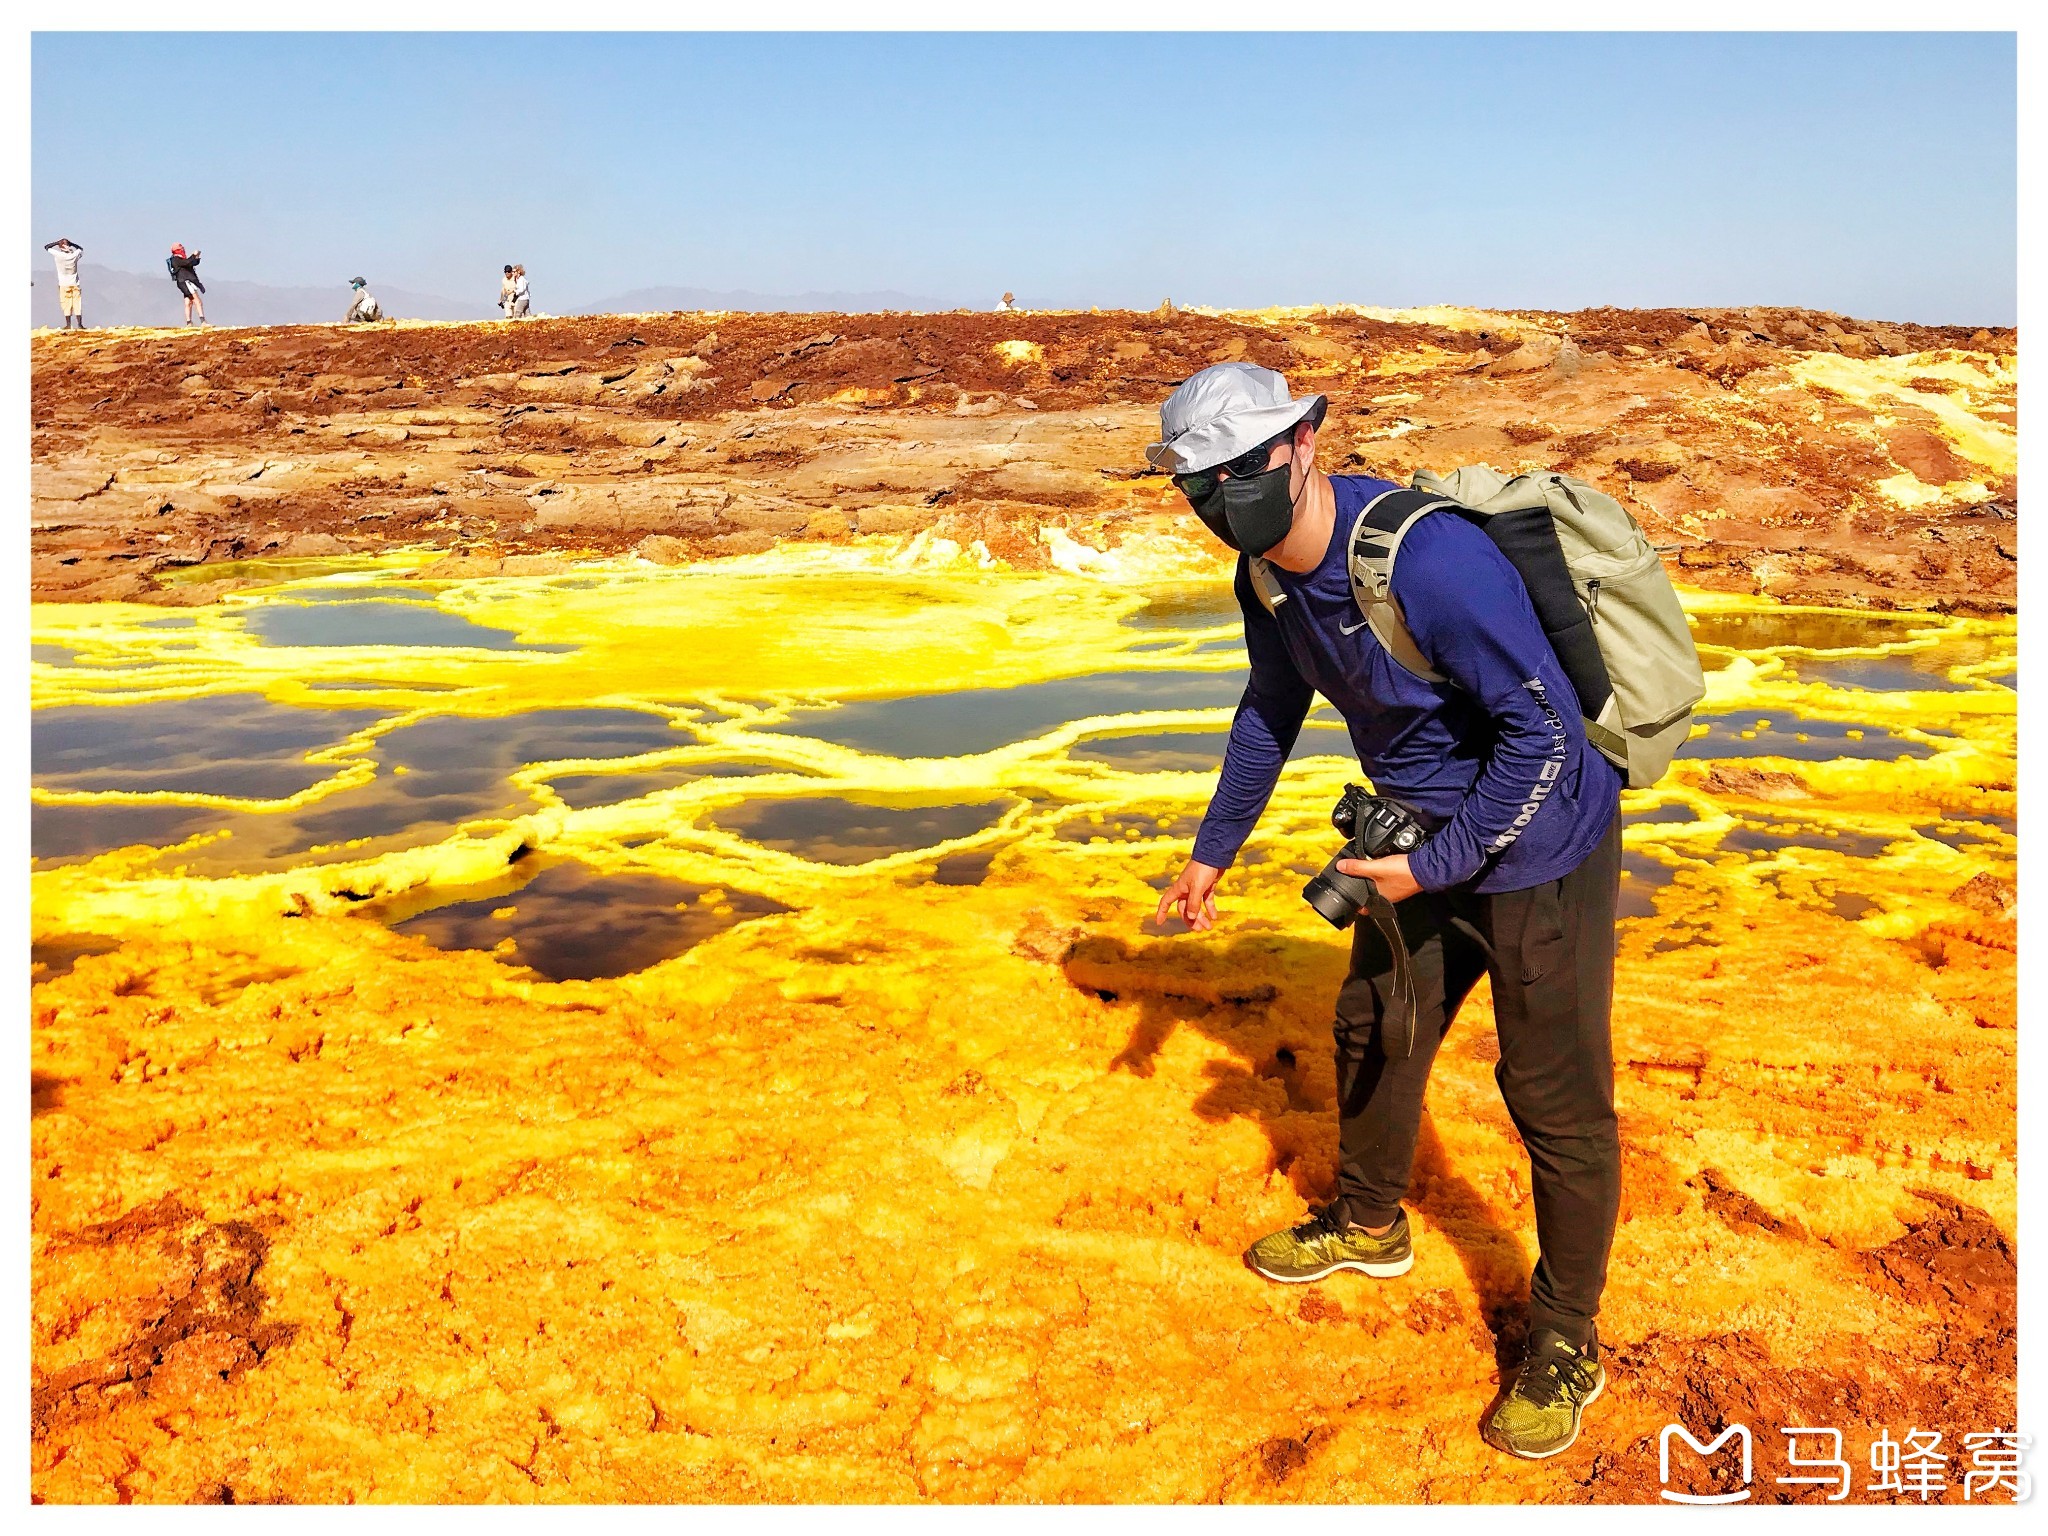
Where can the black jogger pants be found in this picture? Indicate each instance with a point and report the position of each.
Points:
(1552, 964)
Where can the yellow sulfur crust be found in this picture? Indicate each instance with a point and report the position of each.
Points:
(927, 1191)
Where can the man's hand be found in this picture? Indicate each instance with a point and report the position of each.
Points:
(1390, 875)
(1190, 896)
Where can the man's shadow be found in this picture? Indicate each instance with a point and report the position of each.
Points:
(1285, 1080)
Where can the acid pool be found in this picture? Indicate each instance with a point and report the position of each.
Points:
(589, 775)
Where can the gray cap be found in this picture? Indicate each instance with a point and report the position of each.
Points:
(1223, 411)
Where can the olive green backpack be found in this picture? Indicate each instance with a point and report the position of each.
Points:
(1596, 583)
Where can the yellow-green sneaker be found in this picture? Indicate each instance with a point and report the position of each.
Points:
(1326, 1243)
(1538, 1416)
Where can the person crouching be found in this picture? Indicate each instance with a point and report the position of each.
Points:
(364, 307)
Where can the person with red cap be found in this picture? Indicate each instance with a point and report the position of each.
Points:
(183, 273)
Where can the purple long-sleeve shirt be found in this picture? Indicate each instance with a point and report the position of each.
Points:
(1494, 761)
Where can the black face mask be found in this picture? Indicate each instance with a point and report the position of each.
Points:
(1252, 512)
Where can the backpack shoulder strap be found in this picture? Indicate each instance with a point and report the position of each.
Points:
(1268, 590)
(1375, 540)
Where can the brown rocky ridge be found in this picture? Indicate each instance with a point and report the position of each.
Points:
(1803, 455)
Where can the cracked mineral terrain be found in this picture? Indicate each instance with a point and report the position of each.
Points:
(1784, 452)
(592, 889)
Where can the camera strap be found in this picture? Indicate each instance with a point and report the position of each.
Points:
(1397, 1024)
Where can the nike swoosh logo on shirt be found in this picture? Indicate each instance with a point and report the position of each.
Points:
(1352, 629)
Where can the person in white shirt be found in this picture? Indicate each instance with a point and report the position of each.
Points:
(365, 308)
(69, 298)
(519, 298)
(505, 293)
(1009, 303)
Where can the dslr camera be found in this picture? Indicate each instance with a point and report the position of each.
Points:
(1374, 827)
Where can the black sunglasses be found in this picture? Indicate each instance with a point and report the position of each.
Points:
(1201, 484)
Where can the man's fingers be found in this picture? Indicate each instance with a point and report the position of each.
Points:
(1191, 898)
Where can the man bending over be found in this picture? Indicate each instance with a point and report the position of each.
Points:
(1515, 880)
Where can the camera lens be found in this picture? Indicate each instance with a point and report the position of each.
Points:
(1337, 897)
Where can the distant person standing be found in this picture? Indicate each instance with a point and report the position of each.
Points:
(184, 272)
(365, 308)
(505, 293)
(69, 299)
(519, 295)
(1008, 305)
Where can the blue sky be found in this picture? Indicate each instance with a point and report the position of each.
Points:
(1867, 173)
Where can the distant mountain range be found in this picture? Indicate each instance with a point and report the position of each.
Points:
(660, 300)
(114, 297)
(131, 298)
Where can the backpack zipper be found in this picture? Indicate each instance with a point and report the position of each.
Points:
(1592, 599)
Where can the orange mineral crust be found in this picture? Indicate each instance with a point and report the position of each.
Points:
(912, 1161)
(1809, 456)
